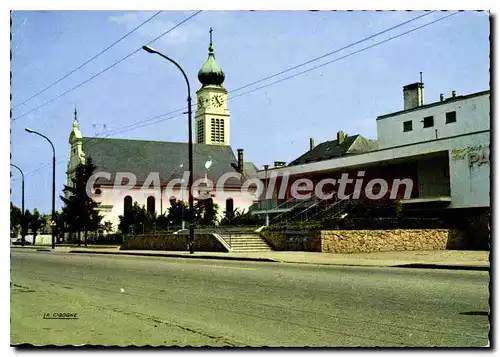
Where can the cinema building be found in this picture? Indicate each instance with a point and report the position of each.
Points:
(442, 147)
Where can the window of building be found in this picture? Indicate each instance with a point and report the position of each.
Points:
(150, 203)
(428, 122)
(127, 204)
(451, 117)
(407, 126)
(229, 207)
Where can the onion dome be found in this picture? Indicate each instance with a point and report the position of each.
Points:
(211, 73)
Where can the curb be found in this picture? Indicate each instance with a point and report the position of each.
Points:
(442, 266)
(181, 256)
(409, 265)
(211, 257)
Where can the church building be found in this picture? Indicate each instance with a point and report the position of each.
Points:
(212, 154)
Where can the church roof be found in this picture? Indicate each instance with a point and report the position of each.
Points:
(351, 145)
(169, 159)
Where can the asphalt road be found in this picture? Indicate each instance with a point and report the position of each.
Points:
(127, 300)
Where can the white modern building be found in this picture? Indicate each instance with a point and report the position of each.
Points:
(442, 146)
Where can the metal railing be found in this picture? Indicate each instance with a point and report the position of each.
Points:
(294, 203)
(223, 233)
(337, 204)
(271, 204)
(315, 204)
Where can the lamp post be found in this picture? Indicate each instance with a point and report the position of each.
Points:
(265, 197)
(191, 173)
(22, 203)
(182, 208)
(31, 131)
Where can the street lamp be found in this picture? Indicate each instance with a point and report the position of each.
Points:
(31, 131)
(265, 197)
(22, 203)
(190, 130)
(182, 208)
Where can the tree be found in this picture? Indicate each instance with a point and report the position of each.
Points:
(133, 220)
(177, 211)
(107, 227)
(25, 223)
(239, 218)
(36, 222)
(206, 212)
(80, 211)
(16, 217)
(58, 219)
(46, 223)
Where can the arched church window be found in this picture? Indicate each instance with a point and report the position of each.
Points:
(127, 204)
(150, 203)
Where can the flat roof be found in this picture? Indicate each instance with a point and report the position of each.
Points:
(446, 101)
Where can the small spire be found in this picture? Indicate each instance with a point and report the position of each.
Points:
(211, 73)
(75, 119)
(211, 47)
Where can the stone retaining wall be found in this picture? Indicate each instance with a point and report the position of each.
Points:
(173, 242)
(354, 241)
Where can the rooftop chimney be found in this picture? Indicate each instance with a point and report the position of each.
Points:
(441, 97)
(413, 95)
(341, 137)
(240, 161)
(311, 144)
(453, 94)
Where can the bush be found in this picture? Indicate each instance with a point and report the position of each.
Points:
(353, 223)
(295, 226)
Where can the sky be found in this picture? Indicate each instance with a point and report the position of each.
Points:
(273, 123)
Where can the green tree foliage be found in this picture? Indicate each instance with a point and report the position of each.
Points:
(25, 225)
(205, 212)
(16, 217)
(134, 221)
(177, 210)
(36, 223)
(80, 211)
(59, 224)
(107, 227)
(240, 218)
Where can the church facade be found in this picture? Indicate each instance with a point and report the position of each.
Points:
(152, 173)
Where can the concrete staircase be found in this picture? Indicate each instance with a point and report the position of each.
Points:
(248, 242)
(240, 239)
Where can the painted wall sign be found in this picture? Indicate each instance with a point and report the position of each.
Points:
(475, 155)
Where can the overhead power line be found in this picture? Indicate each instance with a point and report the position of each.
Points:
(279, 73)
(345, 56)
(106, 69)
(88, 61)
(136, 126)
(334, 52)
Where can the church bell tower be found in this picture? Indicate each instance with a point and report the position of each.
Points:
(76, 154)
(212, 114)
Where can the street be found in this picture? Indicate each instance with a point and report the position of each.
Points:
(133, 300)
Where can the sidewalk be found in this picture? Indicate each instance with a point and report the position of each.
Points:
(436, 259)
